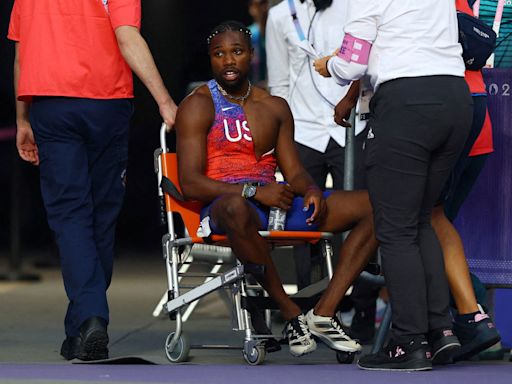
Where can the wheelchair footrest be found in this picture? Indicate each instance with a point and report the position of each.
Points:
(230, 276)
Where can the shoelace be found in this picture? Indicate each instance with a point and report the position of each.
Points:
(336, 324)
(303, 328)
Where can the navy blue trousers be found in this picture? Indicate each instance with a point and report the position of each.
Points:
(83, 150)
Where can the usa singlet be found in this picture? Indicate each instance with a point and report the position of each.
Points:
(230, 149)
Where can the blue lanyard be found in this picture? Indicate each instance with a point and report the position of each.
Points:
(295, 19)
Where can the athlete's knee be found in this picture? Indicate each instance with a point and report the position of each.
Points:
(234, 211)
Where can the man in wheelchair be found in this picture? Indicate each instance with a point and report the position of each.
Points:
(231, 136)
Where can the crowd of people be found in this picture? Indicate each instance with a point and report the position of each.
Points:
(426, 116)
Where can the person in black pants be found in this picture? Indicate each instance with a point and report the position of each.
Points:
(410, 154)
(420, 117)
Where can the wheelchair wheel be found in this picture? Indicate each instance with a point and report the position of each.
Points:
(345, 357)
(180, 351)
(255, 356)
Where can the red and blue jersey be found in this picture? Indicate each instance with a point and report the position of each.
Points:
(230, 148)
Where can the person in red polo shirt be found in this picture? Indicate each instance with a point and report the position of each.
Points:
(73, 80)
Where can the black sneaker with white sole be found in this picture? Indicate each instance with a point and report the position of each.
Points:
(330, 331)
(411, 355)
(299, 336)
(475, 334)
(445, 346)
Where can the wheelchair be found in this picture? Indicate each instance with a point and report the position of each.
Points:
(180, 252)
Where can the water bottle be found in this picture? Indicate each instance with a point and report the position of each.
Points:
(276, 219)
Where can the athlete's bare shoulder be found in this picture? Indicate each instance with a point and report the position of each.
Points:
(275, 105)
(197, 109)
(199, 94)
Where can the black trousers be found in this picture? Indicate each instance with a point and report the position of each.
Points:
(417, 131)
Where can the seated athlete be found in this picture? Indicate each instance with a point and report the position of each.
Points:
(230, 138)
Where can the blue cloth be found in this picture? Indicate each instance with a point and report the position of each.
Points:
(259, 60)
(295, 216)
(83, 150)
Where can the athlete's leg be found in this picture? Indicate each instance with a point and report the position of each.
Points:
(233, 215)
(347, 210)
(315, 164)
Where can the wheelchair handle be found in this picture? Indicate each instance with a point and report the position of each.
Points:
(163, 141)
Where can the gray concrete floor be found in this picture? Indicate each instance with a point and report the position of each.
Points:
(31, 332)
(31, 318)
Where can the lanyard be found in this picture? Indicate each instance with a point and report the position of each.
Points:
(495, 26)
(497, 18)
(296, 23)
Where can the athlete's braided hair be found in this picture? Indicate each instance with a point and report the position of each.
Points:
(230, 25)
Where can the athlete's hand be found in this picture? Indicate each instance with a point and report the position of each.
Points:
(315, 196)
(275, 195)
(26, 144)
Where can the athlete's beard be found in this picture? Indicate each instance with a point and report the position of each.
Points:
(237, 87)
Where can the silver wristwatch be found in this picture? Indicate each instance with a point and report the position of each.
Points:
(248, 191)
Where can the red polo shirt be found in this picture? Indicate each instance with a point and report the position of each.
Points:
(69, 48)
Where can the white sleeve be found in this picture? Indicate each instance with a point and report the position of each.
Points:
(344, 72)
(277, 58)
(363, 18)
(362, 22)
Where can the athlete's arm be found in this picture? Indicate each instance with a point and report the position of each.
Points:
(191, 131)
(289, 162)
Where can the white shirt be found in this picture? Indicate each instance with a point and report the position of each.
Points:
(291, 74)
(410, 38)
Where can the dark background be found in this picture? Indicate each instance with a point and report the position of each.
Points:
(176, 32)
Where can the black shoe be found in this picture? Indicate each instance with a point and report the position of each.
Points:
(475, 335)
(412, 355)
(70, 348)
(260, 327)
(363, 326)
(93, 333)
(445, 346)
(271, 345)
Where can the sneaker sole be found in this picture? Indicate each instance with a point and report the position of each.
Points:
(327, 341)
(419, 365)
(446, 354)
(94, 347)
(473, 348)
(306, 352)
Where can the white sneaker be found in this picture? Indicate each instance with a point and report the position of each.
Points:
(330, 331)
(299, 337)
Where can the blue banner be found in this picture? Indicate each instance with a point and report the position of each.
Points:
(485, 220)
